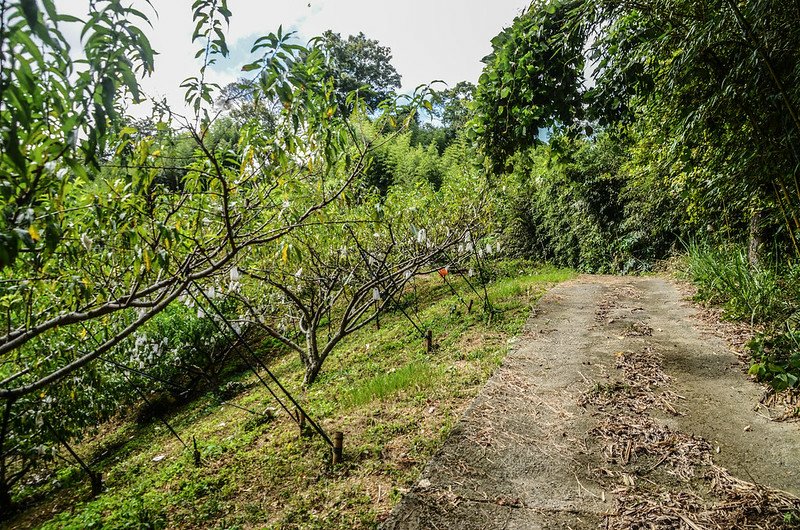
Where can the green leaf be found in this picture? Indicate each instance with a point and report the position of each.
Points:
(131, 83)
(52, 236)
(109, 92)
(31, 11)
(147, 53)
(252, 66)
(13, 150)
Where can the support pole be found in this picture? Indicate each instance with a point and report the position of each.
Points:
(95, 478)
(428, 341)
(196, 453)
(258, 362)
(338, 443)
(301, 422)
(97, 483)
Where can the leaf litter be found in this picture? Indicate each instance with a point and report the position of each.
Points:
(662, 478)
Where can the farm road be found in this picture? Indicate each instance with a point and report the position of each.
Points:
(616, 408)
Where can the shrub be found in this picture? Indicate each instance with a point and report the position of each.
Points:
(776, 358)
(183, 348)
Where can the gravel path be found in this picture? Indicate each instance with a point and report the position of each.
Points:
(614, 409)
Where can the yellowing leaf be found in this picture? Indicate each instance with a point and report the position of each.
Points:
(246, 160)
(34, 233)
(146, 257)
(285, 253)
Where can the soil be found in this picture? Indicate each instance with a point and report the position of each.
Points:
(618, 407)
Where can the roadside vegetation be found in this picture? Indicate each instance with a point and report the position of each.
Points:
(765, 295)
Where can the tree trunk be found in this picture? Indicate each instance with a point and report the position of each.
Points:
(756, 239)
(312, 371)
(6, 506)
(311, 358)
(5, 487)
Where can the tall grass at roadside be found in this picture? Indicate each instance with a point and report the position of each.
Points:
(725, 276)
(764, 294)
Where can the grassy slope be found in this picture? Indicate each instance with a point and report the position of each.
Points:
(394, 403)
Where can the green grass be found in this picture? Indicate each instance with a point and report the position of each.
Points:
(724, 276)
(395, 403)
(414, 377)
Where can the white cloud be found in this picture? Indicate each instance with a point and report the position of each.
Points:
(430, 39)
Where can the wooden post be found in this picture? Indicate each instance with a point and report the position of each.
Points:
(301, 421)
(97, 483)
(469, 307)
(338, 443)
(428, 341)
(196, 453)
(377, 316)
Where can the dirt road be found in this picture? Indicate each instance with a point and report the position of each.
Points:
(614, 410)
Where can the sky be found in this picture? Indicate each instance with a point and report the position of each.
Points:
(430, 39)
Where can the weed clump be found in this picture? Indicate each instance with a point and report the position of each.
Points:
(765, 295)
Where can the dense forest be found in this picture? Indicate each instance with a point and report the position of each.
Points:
(300, 204)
